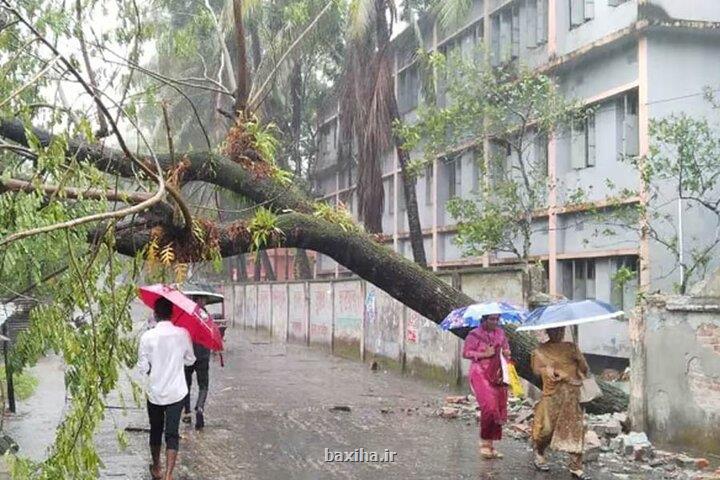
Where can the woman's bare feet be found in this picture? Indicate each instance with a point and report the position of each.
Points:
(156, 472)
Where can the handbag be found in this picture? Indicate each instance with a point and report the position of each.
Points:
(590, 390)
(516, 387)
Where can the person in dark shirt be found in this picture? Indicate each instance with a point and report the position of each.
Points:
(201, 367)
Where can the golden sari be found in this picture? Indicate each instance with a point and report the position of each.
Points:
(558, 421)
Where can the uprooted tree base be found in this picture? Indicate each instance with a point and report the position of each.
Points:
(413, 286)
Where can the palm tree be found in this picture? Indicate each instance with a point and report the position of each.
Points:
(368, 110)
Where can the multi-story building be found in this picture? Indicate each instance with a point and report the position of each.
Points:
(634, 60)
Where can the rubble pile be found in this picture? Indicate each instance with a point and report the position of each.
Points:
(608, 442)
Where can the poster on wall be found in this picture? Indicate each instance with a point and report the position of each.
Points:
(413, 320)
(370, 306)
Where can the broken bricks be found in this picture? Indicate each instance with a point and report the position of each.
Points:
(449, 412)
(456, 399)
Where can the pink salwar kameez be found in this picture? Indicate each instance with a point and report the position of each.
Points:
(486, 379)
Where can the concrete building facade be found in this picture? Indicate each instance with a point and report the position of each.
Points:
(633, 60)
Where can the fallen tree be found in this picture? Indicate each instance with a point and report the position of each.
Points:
(298, 222)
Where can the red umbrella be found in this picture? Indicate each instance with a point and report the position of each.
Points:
(186, 314)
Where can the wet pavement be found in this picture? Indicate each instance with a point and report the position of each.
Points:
(270, 416)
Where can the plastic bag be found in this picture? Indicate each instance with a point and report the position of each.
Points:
(516, 388)
(590, 390)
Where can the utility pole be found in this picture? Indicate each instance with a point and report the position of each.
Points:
(8, 371)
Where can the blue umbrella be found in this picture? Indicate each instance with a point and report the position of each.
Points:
(471, 316)
(567, 313)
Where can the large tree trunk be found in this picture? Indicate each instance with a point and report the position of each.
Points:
(241, 71)
(241, 266)
(257, 271)
(411, 205)
(256, 47)
(302, 269)
(402, 279)
(296, 121)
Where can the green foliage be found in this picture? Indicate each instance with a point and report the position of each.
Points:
(338, 216)
(681, 166)
(263, 227)
(263, 138)
(24, 383)
(485, 226)
(516, 108)
(624, 275)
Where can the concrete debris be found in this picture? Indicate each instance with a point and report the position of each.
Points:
(456, 399)
(449, 412)
(591, 449)
(608, 441)
(610, 375)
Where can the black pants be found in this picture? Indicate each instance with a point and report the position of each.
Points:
(202, 369)
(167, 418)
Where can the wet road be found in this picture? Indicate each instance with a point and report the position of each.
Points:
(269, 416)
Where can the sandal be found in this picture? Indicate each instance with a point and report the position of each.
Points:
(542, 467)
(580, 475)
(487, 453)
(497, 454)
(187, 417)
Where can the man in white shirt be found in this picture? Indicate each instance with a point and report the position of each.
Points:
(163, 353)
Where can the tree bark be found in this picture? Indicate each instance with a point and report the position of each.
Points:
(296, 121)
(257, 273)
(383, 31)
(242, 71)
(411, 205)
(241, 266)
(402, 279)
(302, 268)
(256, 47)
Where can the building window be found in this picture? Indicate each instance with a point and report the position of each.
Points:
(506, 35)
(627, 125)
(401, 197)
(542, 21)
(454, 169)
(495, 39)
(581, 11)
(429, 184)
(328, 135)
(624, 282)
(583, 142)
(465, 44)
(578, 279)
(408, 89)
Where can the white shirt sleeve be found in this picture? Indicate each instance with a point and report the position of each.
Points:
(143, 364)
(189, 356)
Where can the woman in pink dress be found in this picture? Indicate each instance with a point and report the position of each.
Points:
(483, 346)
